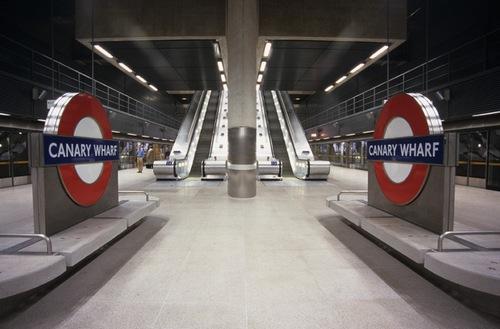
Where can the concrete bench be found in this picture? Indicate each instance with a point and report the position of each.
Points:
(478, 270)
(408, 239)
(131, 210)
(20, 273)
(82, 239)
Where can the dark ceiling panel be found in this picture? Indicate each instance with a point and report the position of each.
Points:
(171, 64)
(311, 65)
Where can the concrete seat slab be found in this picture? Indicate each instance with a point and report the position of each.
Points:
(130, 210)
(356, 211)
(478, 270)
(409, 239)
(20, 273)
(82, 239)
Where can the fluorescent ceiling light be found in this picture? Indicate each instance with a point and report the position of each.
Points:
(223, 77)
(357, 68)
(156, 138)
(5, 114)
(153, 87)
(131, 134)
(313, 135)
(125, 67)
(336, 136)
(259, 78)
(220, 66)
(327, 89)
(367, 131)
(379, 52)
(184, 98)
(217, 49)
(115, 131)
(263, 65)
(145, 136)
(267, 49)
(103, 51)
(141, 79)
(297, 98)
(350, 134)
(257, 86)
(224, 86)
(41, 120)
(342, 78)
(484, 114)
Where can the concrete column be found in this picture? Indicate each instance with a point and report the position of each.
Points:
(242, 31)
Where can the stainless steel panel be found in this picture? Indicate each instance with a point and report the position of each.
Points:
(242, 145)
(242, 183)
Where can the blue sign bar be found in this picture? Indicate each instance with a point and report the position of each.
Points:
(66, 150)
(422, 149)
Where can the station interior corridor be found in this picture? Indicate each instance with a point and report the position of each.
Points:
(279, 260)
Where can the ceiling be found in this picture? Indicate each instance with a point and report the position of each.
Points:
(173, 65)
(303, 66)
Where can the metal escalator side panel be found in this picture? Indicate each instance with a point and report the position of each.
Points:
(215, 163)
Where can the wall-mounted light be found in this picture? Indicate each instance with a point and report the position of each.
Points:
(267, 49)
(379, 52)
(141, 79)
(485, 114)
(327, 89)
(125, 67)
(263, 65)
(224, 86)
(103, 51)
(259, 78)
(223, 77)
(357, 68)
(342, 78)
(5, 114)
(217, 49)
(153, 87)
(220, 66)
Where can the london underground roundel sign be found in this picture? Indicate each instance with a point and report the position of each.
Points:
(407, 140)
(78, 140)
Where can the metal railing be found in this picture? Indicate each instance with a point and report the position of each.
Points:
(35, 237)
(465, 61)
(351, 192)
(450, 234)
(25, 64)
(136, 192)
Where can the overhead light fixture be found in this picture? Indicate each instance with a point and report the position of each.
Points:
(259, 78)
(5, 114)
(41, 120)
(220, 66)
(263, 65)
(224, 86)
(257, 87)
(131, 134)
(357, 68)
(217, 49)
(485, 114)
(223, 77)
(368, 131)
(125, 67)
(327, 89)
(379, 52)
(141, 79)
(184, 98)
(153, 87)
(337, 136)
(350, 134)
(103, 51)
(342, 78)
(115, 131)
(313, 135)
(297, 98)
(267, 49)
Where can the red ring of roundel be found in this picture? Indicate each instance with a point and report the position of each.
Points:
(406, 107)
(79, 107)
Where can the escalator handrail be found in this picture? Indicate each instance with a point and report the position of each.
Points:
(218, 113)
(265, 122)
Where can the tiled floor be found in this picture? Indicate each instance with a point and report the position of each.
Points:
(280, 260)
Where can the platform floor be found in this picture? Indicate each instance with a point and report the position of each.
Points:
(280, 260)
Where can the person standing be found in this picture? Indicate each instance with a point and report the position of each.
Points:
(140, 158)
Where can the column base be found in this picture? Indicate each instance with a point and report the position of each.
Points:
(242, 183)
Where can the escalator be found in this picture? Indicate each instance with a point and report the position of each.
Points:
(206, 134)
(279, 146)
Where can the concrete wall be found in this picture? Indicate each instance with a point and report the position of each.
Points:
(150, 19)
(350, 20)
